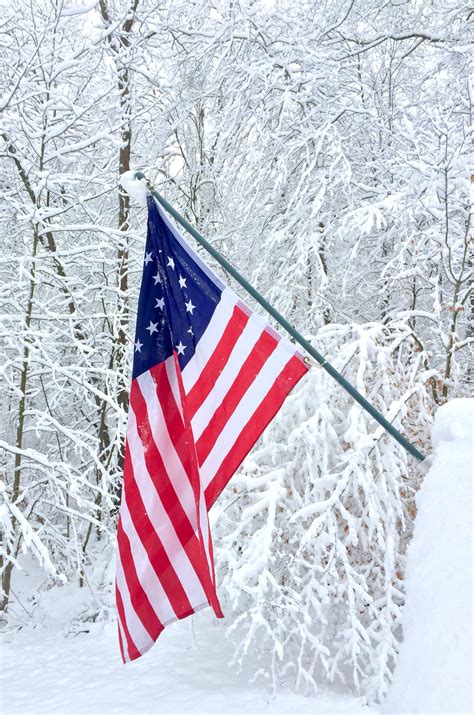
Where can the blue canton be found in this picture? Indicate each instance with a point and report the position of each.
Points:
(177, 299)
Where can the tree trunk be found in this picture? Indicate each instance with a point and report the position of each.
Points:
(7, 572)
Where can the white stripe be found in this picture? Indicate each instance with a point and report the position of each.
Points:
(145, 572)
(161, 436)
(126, 653)
(137, 630)
(245, 409)
(160, 519)
(204, 525)
(209, 340)
(240, 352)
(170, 366)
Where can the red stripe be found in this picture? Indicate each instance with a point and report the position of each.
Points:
(262, 349)
(138, 597)
(133, 651)
(165, 394)
(267, 409)
(153, 459)
(152, 543)
(217, 361)
(180, 434)
(163, 485)
(213, 600)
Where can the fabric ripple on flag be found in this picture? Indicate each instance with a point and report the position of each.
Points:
(208, 376)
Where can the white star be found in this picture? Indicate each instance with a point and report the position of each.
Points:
(153, 328)
(190, 331)
(180, 348)
(182, 282)
(189, 307)
(148, 258)
(160, 303)
(170, 262)
(157, 278)
(138, 346)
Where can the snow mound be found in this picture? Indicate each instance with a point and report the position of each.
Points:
(135, 188)
(454, 421)
(434, 673)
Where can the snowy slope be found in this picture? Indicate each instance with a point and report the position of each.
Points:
(434, 674)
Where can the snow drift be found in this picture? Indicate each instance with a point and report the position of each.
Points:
(434, 674)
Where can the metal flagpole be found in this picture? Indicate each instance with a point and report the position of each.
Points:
(287, 326)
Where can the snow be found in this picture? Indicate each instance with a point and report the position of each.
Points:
(135, 188)
(186, 672)
(79, 9)
(434, 673)
(454, 421)
(72, 665)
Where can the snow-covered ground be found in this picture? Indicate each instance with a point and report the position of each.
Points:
(186, 672)
(63, 664)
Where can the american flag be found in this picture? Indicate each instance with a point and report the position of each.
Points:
(208, 376)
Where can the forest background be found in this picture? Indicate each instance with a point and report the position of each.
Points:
(323, 147)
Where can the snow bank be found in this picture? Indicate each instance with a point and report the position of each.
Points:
(434, 673)
(135, 188)
(454, 421)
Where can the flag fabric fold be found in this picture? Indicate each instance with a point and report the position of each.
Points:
(208, 376)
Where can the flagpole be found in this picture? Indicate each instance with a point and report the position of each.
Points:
(355, 394)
